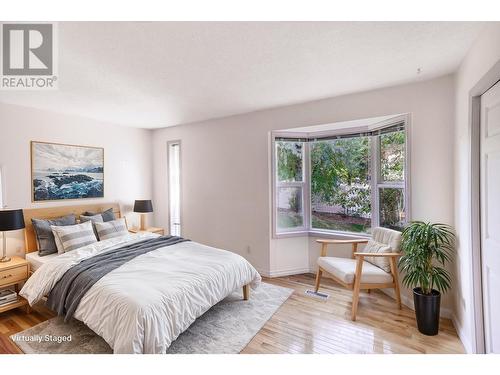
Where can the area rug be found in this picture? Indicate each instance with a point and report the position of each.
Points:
(224, 329)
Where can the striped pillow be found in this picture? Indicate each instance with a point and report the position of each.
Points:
(94, 219)
(111, 229)
(72, 237)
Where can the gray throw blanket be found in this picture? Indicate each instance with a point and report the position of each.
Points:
(70, 289)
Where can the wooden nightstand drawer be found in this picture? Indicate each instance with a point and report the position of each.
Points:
(14, 274)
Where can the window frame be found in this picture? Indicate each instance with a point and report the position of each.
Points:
(375, 178)
(379, 183)
(304, 184)
(170, 144)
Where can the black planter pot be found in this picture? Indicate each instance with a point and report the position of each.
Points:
(427, 311)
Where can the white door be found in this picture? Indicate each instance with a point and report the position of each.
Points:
(174, 187)
(490, 215)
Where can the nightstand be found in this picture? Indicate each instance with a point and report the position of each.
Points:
(150, 229)
(12, 273)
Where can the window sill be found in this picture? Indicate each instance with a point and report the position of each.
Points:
(290, 234)
(338, 235)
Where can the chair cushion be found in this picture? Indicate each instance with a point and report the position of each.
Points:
(377, 247)
(383, 241)
(344, 269)
(388, 237)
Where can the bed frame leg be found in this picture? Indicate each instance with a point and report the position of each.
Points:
(246, 292)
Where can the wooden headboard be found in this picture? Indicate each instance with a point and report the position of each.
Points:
(53, 212)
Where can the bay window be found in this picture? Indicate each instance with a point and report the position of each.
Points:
(348, 183)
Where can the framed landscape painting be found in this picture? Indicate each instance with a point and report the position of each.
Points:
(60, 171)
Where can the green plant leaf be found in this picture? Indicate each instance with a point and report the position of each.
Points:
(424, 245)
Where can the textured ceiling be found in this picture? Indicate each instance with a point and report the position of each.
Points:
(157, 74)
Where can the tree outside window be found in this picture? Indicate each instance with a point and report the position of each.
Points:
(290, 185)
(340, 184)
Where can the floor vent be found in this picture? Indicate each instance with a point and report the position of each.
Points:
(318, 295)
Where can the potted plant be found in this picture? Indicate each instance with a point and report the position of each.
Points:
(426, 248)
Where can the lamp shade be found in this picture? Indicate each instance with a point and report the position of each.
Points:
(11, 220)
(143, 206)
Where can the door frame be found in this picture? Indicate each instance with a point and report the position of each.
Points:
(483, 85)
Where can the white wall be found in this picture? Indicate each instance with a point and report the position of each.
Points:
(484, 54)
(127, 155)
(226, 169)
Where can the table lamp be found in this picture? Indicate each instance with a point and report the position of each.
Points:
(9, 220)
(143, 207)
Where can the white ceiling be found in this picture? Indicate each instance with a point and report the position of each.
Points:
(157, 74)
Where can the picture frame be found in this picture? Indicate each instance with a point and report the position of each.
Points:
(61, 171)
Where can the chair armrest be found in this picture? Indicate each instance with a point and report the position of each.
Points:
(342, 241)
(378, 254)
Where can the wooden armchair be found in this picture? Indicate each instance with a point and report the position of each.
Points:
(374, 268)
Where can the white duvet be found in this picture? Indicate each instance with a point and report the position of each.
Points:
(142, 306)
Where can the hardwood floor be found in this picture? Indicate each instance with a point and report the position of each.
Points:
(17, 320)
(307, 325)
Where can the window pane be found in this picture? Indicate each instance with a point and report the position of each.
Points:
(174, 188)
(392, 156)
(290, 208)
(340, 184)
(289, 156)
(392, 208)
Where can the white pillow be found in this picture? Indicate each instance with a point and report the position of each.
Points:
(111, 229)
(377, 247)
(71, 237)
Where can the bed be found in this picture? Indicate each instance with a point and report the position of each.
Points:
(36, 261)
(148, 301)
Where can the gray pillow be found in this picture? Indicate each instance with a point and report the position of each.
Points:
(45, 237)
(94, 219)
(107, 215)
(111, 229)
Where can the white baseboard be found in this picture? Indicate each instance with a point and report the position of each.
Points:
(466, 342)
(285, 272)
